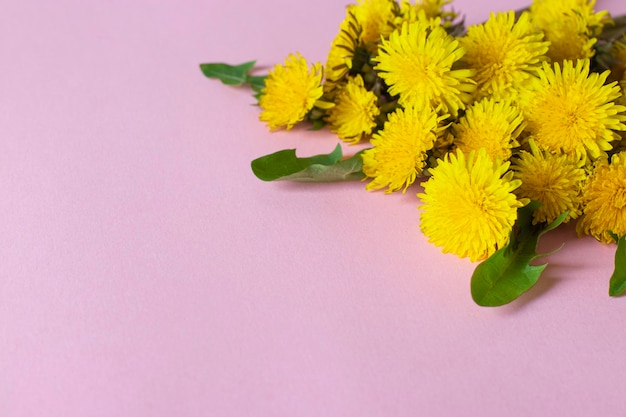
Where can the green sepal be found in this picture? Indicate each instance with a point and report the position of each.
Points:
(617, 284)
(286, 166)
(507, 274)
(318, 124)
(230, 74)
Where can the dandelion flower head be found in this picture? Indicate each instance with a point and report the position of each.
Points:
(355, 111)
(469, 208)
(505, 53)
(290, 92)
(433, 9)
(622, 98)
(342, 51)
(417, 62)
(570, 26)
(375, 17)
(491, 125)
(605, 200)
(570, 111)
(398, 154)
(556, 181)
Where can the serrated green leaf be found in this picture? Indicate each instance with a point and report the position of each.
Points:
(507, 274)
(349, 169)
(617, 284)
(228, 74)
(284, 163)
(503, 278)
(286, 166)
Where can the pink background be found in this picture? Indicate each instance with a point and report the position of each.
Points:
(144, 271)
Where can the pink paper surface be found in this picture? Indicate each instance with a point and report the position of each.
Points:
(144, 271)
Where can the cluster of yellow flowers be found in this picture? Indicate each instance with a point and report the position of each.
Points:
(518, 108)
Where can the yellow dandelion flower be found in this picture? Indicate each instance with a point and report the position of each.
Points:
(569, 41)
(570, 111)
(342, 52)
(399, 152)
(570, 26)
(491, 125)
(416, 63)
(355, 111)
(409, 12)
(622, 98)
(375, 17)
(505, 54)
(290, 92)
(469, 208)
(556, 181)
(605, 200)
(620, 145)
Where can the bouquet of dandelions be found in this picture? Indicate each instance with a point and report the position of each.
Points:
(516, 125)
